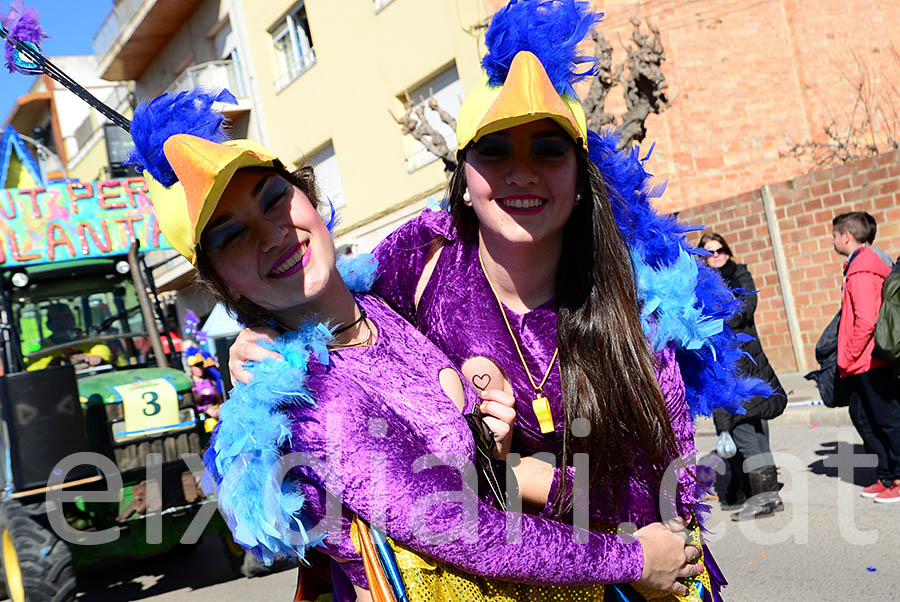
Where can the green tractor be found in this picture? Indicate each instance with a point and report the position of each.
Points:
(101, 435)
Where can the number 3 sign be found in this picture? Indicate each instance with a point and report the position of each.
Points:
(149, 405)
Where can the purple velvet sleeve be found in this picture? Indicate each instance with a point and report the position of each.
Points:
(424, 503)
(402, 257)
(668, 375)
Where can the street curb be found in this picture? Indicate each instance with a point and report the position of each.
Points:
(809, 415)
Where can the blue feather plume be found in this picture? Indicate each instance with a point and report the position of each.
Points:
(187, 112)
(683, 301)
(358, 271)
(551, 30)
(243, 458)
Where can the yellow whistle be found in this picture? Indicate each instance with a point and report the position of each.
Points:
(541, 407)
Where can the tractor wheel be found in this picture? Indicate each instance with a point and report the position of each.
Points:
(37, 565)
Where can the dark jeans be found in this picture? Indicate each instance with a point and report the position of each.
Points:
(860, 418)
(752, 441)
(877, 418)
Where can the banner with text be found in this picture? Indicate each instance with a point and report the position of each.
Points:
(76, 220)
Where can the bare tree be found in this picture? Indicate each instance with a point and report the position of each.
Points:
(872, 126)
(414, 123)
(644, 82)
(607, 78)
(640, 75)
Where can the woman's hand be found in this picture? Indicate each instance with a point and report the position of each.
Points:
(498, 409)
(667, 557)
(246, 348)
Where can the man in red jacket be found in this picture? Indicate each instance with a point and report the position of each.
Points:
(870, 378)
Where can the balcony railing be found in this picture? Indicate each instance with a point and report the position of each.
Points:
(295, 70)
(213, 75)
(109, 31)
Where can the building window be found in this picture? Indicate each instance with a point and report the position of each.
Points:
(293, 45)
(328, 177)
(380, 4)
(448, 93)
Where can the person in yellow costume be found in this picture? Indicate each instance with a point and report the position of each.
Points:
(61, 324)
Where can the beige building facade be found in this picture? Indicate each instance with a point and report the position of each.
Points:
(318, 82)
(330, 75)
(165, 46)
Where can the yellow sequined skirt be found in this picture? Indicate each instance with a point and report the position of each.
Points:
(427, 581)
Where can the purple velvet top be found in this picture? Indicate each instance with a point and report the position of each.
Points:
(379, 412)
(459, 313)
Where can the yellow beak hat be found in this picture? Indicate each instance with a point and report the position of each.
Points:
(183, 149)
(530, 67)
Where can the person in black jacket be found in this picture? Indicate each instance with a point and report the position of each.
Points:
(752, 467)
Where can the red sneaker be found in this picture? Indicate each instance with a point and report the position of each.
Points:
(890, 495)
(874, 489)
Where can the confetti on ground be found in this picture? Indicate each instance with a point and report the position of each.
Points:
(871, 569)
(814, 425)
(763, 554)
(750, 562)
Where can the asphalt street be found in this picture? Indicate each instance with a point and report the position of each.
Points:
(828, 545)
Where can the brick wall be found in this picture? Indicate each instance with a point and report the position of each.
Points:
(749, 79)
(803, 208)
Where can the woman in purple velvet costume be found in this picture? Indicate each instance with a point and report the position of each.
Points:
(527, 277)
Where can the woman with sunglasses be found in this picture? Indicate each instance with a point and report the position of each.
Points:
(753, 486)
(363, 410)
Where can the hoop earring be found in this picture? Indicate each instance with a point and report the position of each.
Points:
(467, 198)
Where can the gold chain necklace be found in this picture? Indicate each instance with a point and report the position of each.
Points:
(365, 343)
(540, 404)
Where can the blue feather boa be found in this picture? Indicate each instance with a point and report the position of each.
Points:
(242, 459)
(683, 301)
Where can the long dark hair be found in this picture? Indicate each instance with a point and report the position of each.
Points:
(246, 311)
(606, 364)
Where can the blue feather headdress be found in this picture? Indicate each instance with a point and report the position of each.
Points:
(549, 29)
(187, 112)
(530, 69)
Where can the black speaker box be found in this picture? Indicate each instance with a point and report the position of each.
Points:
(45, 424)
(222, 345)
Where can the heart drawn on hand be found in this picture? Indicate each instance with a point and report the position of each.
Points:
(481, 381)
